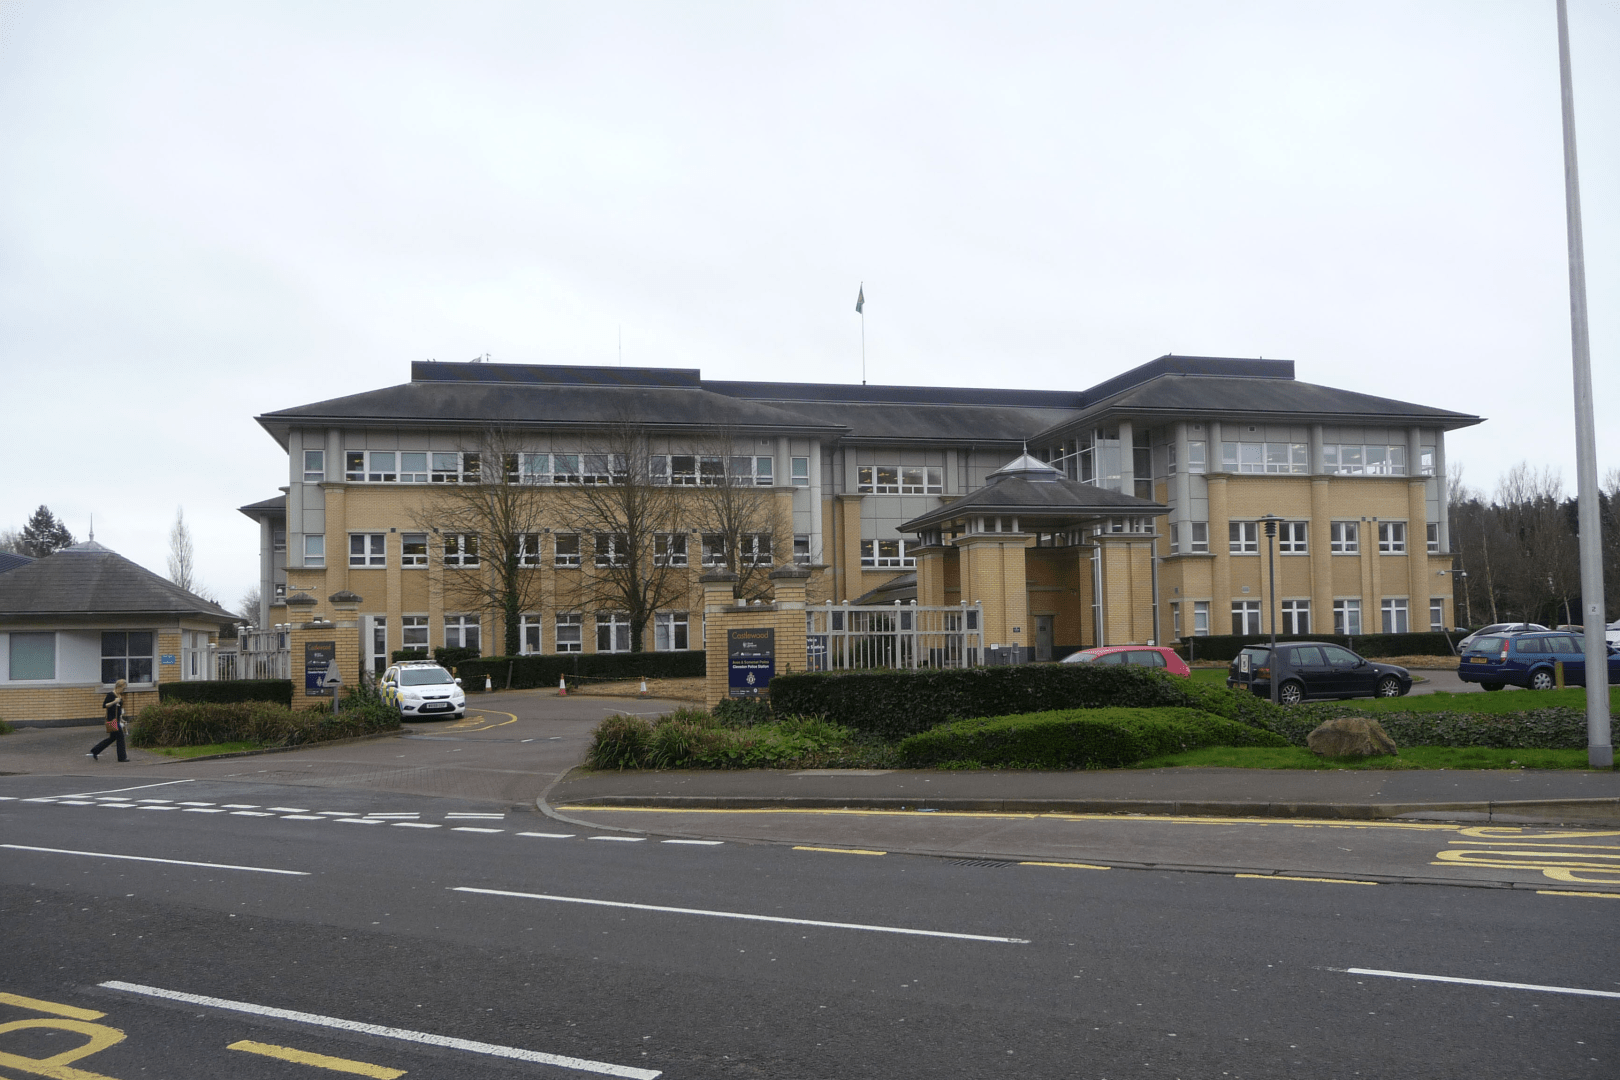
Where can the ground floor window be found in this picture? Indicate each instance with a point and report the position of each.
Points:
(126, 654)
(1245, 616)
(1200, 618)
(414, 631)
(1175, 616)
(1395, 617)
(671, 631)
(194, 655)
(529, 635)
(461, 632)
(33, 656)
(1296, 617)
(612, 631)
(1437, 614)
(570, 634)
(379, 643)
(1347, 617)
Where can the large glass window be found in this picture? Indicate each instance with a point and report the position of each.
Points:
(382, 467)
(886, 553)
(1296, 617)
(414, 633)
(714, 549)
(900, 480)
(529, 635)
(1360, 460)
(1265, 457)
(1437, 614)
(1200, 538)
(462, 632)
(1195, 456)
(461, 549)
(612, 549)
(570, 633)
(1396, 620)
(671, 631)
(669, 549)
(1392, 538)
(756, 550)
(368, 549)
(567, 551)
(528, 549)
(1245, 616)
(127, 654)
(801, 472)
(1291, 537)
(33, 656)
(801, 548)
(314, 550)
(413, 548)
(1432, 536)
(314, 466)
(1344, 537)
(1200, 618)
(1243, 537)
(612, 631)
(413, 467)
(1347, 617)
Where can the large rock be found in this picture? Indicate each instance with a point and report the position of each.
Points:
(1351, 736)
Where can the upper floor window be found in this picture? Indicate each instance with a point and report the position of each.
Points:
(756, 549)
(453, 467)
(714, 549)
(1243, 538)
(1195, 456)
(278, 540)
(1265, 457)
(1392, 538)
(801, 472)
(1426, 461)
(1432, 534)
(612, 549)
(801, 548)
(1352, 460)
(669, 549)
(900, 480)
(314, 550)
(1344, 538)
(529, 551)
(1200, 538)
(314, 466)
(413, 467)
(461, 549)
(413, 549)
(691, 470)
(567, 551)
(603, 469)
(886, 553)
(368, 549)
(1291, 537)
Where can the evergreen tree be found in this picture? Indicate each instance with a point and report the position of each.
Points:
(44, 534)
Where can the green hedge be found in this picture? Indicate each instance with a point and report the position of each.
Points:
(529, 672)
(203, 723)
(1226, 646)
(895, 704)
(1558, 728)
(694, 739)
(278, 691)
(1078, 738)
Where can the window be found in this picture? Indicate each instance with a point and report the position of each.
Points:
(1344, 537)
(612, 632)
(1267, 457)
(461, 632)
(379, 644)
(314, 466)
(126, 654)
(1243, 538)
(413, 467)
(1170, 462)
(1175, 620)
(801, 472)
(381, 467)
(801, 549)
(528, 549)
(714, 549)
(900, 480)
(1296, 617)
(565, 469)
(612, 549)
(570, 633)
(534, 468)
(453, 468)
(756, 549)
(669, 549)
(671, 631)
(1352, 460)
(1195, 456)
(529, 635)
(1291, 537)
(461, 549)
(1347, 617)
(1432, 535)
(278, 541)
(603, 469)
(1175, 541)
(368, 549)
(1395, 617)
(1245, 616)
(764, 471)
(33, 656)
(1200, 618)
(413, 549)
(1437, 614)
(414, 633)
(354, 465)
(885, 553)
(1426, 461)
(314, 551)
(1392, 538)
(567, 554)
(1200, 538)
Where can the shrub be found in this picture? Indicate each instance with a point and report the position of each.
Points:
(1533, 729)
(743, 712)
(261, 722)
(530, 672)
(619, 742)
(1079, 738)
(895, 704)
(276, 690)
(694, 739)
(1226, 646)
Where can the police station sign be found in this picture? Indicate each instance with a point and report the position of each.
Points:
(751, 661)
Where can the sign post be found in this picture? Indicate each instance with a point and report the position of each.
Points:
(751, 661)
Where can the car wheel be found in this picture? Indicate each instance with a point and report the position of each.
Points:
(1541, 680)
(1290, 693)
(1389, 686)
(1491, 685)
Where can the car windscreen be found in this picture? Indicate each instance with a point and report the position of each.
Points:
(424, 677)
(1485, 645)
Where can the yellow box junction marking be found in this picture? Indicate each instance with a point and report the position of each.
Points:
(319, 1061)
(59, 1066)
(1550, 852)
(1068, 865)
(1286, 877)
(35, 1005)
(839, 850)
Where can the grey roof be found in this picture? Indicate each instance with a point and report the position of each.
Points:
(955, 425)
(272, 507)
(88, 580)
(900, 588)
(10, 560)
(1049, 499)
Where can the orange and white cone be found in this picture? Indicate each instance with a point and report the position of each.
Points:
(562, 686)
(643, 688)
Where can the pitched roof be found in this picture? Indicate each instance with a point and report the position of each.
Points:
(10, 560)
(89, 580)
(271, 507)
(1056, 498)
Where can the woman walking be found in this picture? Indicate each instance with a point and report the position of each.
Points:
(114, 704)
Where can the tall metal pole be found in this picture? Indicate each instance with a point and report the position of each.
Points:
(1599, 748)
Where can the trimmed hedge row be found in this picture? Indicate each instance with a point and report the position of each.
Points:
(895, 704)
(694, 739)
(529, 672)
(1558, 728)
(278, 691)
(1079, 738)
(202, 723)
(1226, 646)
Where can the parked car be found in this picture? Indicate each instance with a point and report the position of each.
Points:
(1498, 660)
(1315, 669)
(1152, 656)
(1612, 634)
(1500, 628)
(423, 690)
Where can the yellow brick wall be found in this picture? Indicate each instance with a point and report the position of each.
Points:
(66, 702)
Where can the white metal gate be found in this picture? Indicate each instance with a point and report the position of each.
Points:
(841, 637)
(259, 654)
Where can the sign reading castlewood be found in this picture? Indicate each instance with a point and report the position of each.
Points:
(751, 660)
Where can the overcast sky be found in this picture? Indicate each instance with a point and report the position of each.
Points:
(212, 210)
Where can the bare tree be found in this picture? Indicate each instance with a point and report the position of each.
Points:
(248, 606)
(743, 525)
(11, 540)
(182, 553)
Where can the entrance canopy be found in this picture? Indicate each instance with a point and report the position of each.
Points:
(1028, 495)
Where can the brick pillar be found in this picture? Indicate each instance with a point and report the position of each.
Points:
(1321, 557)
(1220, 589)
(343, 631)
(718, 602)
(993, 574)
(931, 576)
(790, 583)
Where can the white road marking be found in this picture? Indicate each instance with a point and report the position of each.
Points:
(116, 790)
(337, 813)
(744, 916)
(160, 808)
(147, 858)
(202, 810)
(118, 806)
(241, 806)
(196, 804)
(415, 824)
(620, 839)
(1481, 982)
(474, 817)
(700, 843)
(403, 1034)
(113, 798)
(8, 798)
(153, 800)
(251, 813)
(473, 828)
(302, 817)
(408, 814)
(360, 821)
(76, 802)
(549, 835)
(288, 809)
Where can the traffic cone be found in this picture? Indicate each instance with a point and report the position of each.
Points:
(488, 686)
(562, 686)
(643, 688)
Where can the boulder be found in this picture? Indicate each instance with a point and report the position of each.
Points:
(1351, 736)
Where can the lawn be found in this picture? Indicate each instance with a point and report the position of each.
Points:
(204, 751)
(1411, 757)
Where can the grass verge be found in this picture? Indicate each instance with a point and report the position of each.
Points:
(207, 750)
(1411, 757)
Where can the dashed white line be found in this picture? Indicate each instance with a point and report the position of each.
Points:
(337, 813)
(474, 828)
(251, 813)
(549, 835)
(196, 804)
(1481, 982)
(146, 858)
(415, 824)
(620, 839)
(360, 821)
(202, 810)
(699, 843)
(474, 817)
(159, 808)
(490, 1049)
(302, 817)
(288, 809)
(241, 806)
(76, 802)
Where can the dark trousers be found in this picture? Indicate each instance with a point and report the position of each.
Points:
(118, 738)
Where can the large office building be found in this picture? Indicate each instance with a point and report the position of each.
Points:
(1135, 510)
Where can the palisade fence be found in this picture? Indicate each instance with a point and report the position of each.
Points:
(845, 636)
(259, 654)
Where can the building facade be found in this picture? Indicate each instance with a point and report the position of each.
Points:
(1128, 512)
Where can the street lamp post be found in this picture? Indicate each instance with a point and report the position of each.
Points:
(1271, 602)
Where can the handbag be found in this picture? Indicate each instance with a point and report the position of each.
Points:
(112, 727)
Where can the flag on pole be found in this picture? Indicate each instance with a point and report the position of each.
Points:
(860, 297)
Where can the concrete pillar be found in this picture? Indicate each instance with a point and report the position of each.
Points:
(817, 541)
(1220, 599)
(1213, 454)
(1127, 458)
(1321, 543)
(1442, 484)
(1316, 449)
(1417, 553)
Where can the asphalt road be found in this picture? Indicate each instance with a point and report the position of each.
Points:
(364, 931)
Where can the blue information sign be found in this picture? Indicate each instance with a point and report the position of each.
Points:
(751, 660)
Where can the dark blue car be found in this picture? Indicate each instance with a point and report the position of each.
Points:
(1498, 660)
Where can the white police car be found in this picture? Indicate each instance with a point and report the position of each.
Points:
(423, 691)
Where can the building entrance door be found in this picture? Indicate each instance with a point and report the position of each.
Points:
(379, 643)
(1043, 638)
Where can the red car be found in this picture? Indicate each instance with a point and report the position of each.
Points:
(1151, 656)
